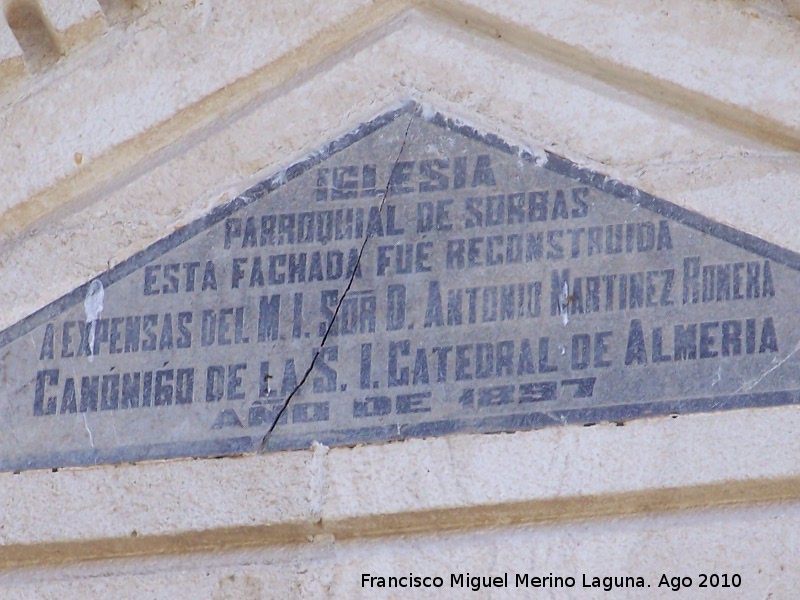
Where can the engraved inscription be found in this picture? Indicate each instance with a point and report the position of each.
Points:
(415, 278)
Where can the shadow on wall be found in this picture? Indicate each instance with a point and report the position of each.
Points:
(32, 32)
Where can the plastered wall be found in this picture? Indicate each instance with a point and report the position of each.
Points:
(121, 121)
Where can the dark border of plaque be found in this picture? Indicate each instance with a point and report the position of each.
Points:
(350, 436)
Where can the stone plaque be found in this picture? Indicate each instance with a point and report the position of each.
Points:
(414, 278)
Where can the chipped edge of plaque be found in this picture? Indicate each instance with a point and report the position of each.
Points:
(587, 417)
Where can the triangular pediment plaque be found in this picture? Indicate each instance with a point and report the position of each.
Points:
(414, 278)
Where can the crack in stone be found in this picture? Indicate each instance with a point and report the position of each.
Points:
(265, 439)
(749, 385)
(89, 431)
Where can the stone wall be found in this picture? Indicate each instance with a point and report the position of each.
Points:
(123, 121)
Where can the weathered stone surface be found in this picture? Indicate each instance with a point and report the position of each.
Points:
(414, 278)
